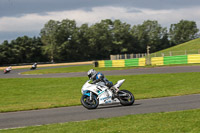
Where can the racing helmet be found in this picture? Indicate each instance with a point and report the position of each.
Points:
(91, 73)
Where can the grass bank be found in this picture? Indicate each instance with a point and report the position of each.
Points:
(176, 122)
(191, 47)
(36, 93)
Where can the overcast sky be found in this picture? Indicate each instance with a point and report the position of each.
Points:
(27, 17)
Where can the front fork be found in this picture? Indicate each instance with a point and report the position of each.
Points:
(90, 96)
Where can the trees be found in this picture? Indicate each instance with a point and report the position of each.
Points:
(100, 40)
(123, 41)
(110, 37)
(58, 35)
(150, 33)
(183, 31)
(81, 37)
(5, 53)
(64, 41)
(49, 37)
(22, 50)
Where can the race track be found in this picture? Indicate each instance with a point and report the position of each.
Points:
(77, 113)
(156, 70)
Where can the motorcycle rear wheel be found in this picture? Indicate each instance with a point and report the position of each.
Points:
(126, 100)
(93, 104)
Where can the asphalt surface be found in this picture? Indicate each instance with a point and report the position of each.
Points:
(79, 113)
(175, 69)
(16, 73)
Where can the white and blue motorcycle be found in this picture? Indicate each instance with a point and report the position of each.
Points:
(94, 95)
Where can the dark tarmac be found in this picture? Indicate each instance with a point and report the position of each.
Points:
(155, 70)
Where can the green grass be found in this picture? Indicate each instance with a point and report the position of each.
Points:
(36, 93)
(170, 122)
(191, 47)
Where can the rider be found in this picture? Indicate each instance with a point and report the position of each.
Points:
(98, 78)
(9, 68)
(34, 65)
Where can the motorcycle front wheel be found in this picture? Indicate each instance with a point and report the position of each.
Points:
(5, 72)
(89, 104)
(125, 97)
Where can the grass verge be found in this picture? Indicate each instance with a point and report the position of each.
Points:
(36, 93)
(177, 122)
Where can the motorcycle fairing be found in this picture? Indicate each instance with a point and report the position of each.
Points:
(86, 92)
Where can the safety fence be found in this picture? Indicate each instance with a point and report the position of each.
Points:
(122, 63)
(154, 61)
(157, 54)
(175, 53)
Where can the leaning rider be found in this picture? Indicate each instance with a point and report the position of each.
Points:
(98, 78)
(9, 68)
(34, 65)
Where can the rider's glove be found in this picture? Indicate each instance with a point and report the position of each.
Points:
(109, 84)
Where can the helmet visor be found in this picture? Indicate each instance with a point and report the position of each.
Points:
(89, 76)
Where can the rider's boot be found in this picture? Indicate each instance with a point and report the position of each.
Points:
(114, 90)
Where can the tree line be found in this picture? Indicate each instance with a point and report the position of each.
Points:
(64, 41)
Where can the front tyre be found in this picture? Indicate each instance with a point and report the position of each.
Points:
(125, 97)
(89, 104)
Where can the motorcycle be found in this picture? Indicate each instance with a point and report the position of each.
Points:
(33, 67)
(95, 95)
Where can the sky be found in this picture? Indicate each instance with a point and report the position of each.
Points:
(27, 17)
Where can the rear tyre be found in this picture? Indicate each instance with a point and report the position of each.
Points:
(126, 100)
(89, 104)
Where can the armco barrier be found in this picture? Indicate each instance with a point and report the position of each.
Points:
(169, 60)
(122, 63)
(108, 63)
(142, 61)
(132, 62)
(195, 58)
(101, 63)
(155, 61)
(118, 63)
(180, 59)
